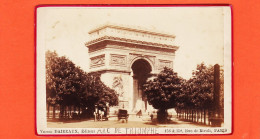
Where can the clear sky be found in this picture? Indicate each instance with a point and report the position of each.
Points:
(198, 30)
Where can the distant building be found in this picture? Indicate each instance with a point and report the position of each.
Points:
(126, 57)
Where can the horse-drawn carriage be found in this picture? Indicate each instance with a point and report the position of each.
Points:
(122, 114)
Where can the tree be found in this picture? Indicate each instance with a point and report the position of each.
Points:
(184, 97)
(97, 93)
(198, 91)
(68, 85)
(64, 81)
(202, 84)
(163, 92)
(51, 93)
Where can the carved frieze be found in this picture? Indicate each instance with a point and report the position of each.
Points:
(164, 63)
(97, 61)
(117, 60)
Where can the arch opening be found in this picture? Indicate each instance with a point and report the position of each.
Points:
(141, 72)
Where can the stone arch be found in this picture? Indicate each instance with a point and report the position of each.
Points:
(141, 71)
(141, 66)
(151, 63)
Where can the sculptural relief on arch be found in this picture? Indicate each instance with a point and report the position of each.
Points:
(126, 57)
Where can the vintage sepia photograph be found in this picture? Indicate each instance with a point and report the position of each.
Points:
(123, 70)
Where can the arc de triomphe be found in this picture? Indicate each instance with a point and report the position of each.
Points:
(126, 57)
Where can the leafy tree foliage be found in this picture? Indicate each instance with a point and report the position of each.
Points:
(68, 85)
(97, 93)
(197, 92)
(63, 80)
(202, 86)
(168, 90)
(184, 95)
(163, 92)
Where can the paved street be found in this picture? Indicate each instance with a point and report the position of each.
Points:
(113, 123)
